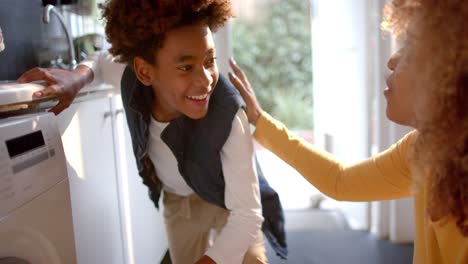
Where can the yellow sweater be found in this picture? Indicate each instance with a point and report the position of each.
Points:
(382, 177)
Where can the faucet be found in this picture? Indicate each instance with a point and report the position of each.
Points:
(2, 45)
(46, 18)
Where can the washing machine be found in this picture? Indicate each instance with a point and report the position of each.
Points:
(36, 225)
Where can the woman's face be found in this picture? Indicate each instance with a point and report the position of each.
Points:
(400, 92)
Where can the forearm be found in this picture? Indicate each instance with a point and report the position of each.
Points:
(242, 195)
(236, 237)
(83, 76)
(385, 176)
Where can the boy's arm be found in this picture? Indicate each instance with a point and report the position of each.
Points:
(63, 84)
(105, 68)
(99, 67)
(242, 195)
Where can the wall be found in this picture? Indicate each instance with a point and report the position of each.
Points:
(23, 32)
(340, 89)
(20, 21)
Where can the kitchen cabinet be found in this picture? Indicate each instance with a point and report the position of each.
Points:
(146, 235)
(87, 135)
(114, 219)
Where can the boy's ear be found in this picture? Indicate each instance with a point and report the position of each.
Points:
(143, 71)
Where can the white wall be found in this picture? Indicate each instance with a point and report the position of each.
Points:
(340, 89)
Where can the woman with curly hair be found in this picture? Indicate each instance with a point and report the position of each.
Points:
(189, 130)
(427, 90)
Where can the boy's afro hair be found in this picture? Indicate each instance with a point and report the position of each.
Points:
(137, 27)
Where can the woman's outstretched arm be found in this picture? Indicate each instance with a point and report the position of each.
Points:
(384, 176)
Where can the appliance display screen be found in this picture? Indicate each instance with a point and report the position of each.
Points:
(20, 145)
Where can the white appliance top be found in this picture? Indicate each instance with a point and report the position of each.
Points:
(12, 92)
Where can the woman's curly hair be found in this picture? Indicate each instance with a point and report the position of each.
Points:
(437, 32)
(137, 27)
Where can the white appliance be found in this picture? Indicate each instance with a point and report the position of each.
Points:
(36, 224)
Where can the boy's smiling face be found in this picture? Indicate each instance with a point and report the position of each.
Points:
(184, 74)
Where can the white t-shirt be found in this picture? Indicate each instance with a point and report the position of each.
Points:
(165, 162)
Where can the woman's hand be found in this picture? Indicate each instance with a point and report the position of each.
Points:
(63, 84)
(240, 81)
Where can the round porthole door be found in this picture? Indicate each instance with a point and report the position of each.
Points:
(26, 246)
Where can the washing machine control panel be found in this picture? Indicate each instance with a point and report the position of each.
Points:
(31, 159)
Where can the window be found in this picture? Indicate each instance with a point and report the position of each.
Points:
(271, 40)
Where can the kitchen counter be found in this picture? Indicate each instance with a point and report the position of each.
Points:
(87, 93)
(17, 99)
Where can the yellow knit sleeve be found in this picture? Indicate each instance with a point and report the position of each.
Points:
(384, 176)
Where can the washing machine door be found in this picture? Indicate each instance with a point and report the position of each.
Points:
(27, 246)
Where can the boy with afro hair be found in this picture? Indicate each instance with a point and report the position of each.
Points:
(189, 129)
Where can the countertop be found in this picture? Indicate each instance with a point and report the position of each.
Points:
(17, 99)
